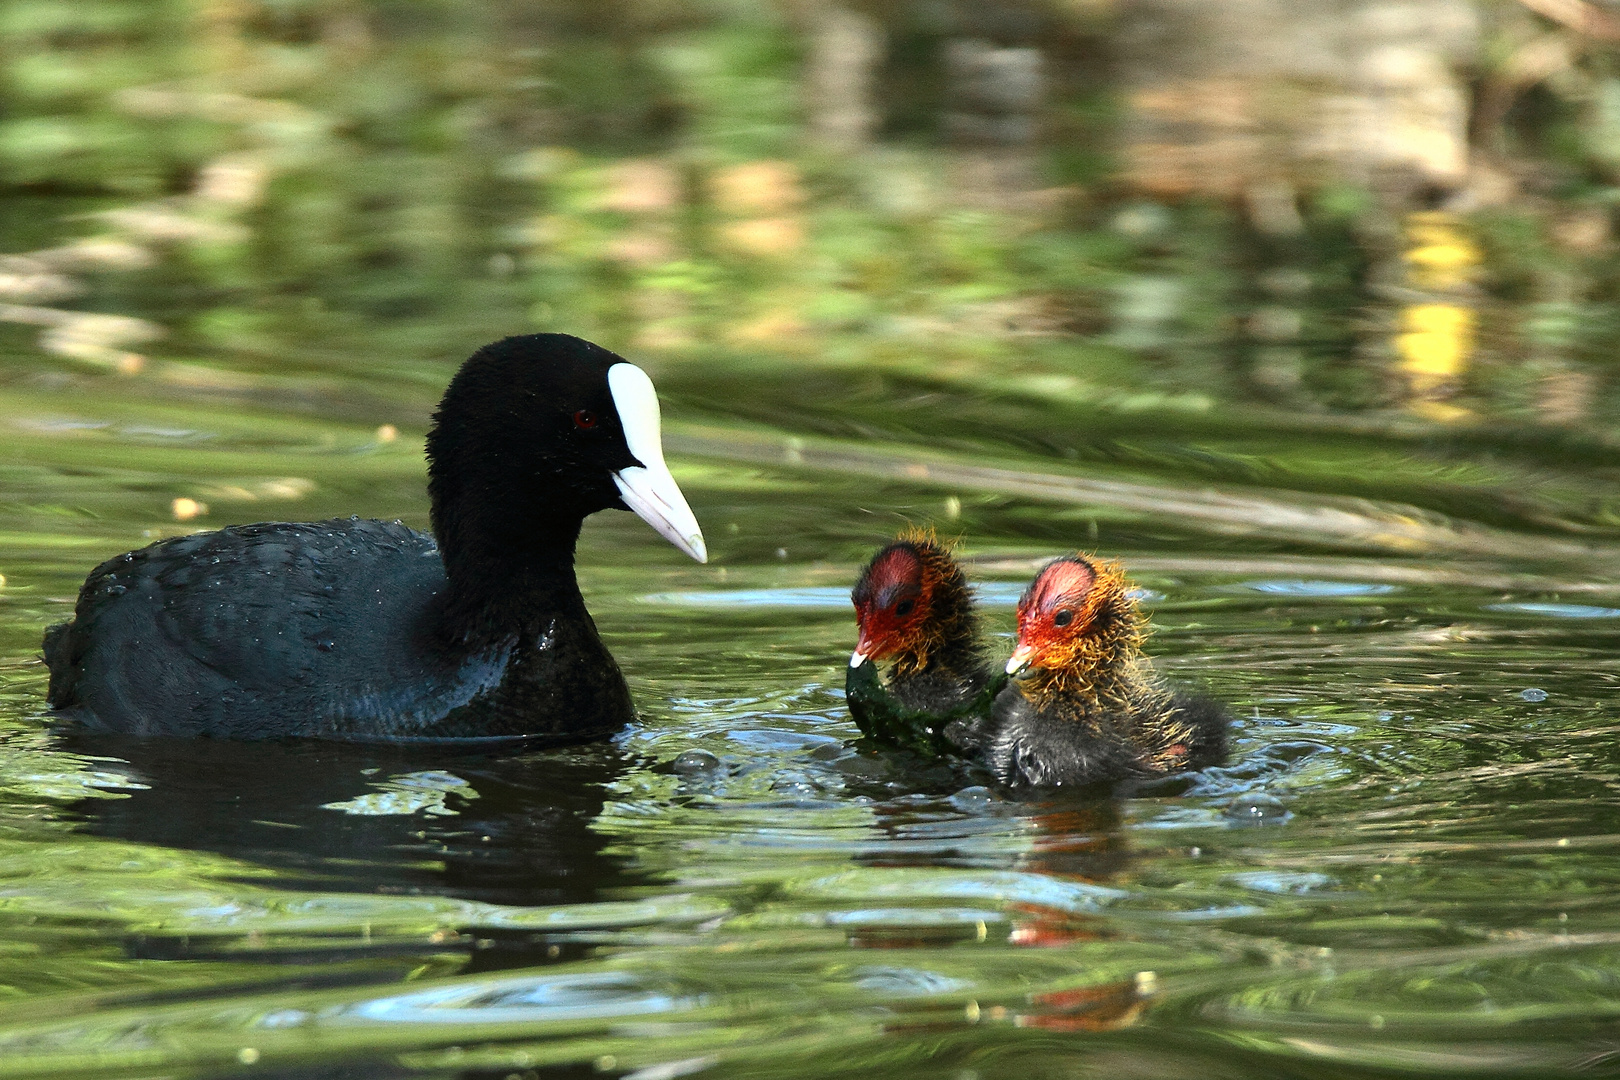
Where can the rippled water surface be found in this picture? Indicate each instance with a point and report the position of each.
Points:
(1407, 867)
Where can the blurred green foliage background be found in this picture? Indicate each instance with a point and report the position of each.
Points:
(1116, 201)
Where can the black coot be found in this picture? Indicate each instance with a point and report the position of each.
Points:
(361, 630)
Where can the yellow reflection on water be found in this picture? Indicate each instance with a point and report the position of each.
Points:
(1441, 255)
(1436, 337)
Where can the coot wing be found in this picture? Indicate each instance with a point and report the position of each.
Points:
(262, 631)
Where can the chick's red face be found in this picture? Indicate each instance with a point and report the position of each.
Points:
(1056, 609)
(890, 604)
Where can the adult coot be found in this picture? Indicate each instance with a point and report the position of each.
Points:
(362, 630)
(915, 613)
(1085, 706)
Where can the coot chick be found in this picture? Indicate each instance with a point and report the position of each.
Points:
(1085, 707)
(361, 630)
(914, 611)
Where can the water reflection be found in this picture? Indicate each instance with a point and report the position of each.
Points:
(532, 998)
(1416, 828)
(512, 830)
(987, 593)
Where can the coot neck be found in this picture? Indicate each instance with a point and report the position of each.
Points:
(947, 648)
(957, 660)
(504, 584)
(961, 655)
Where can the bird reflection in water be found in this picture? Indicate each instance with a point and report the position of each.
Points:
(382, 820)
(1078, 838)
(1083, 842)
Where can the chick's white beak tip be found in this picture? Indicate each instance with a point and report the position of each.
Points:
(857, 659)
(1017, 664)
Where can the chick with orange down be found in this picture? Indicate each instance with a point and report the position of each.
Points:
(915, 614)
(1083, 705)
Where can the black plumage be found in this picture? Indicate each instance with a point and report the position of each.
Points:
(357, 629)
(1086, 707)
(1031, 745)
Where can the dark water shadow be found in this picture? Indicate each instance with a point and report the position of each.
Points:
(343, 818)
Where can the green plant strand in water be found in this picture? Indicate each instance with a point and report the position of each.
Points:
(883, 719)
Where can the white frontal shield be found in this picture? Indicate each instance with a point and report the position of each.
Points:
(649, 489)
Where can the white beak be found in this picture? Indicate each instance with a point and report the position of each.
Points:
(857, 659)
(648, 488)
(1020, 659)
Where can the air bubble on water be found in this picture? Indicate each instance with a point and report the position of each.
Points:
(1256, 810)
(697, 763)
(973, 799)
(1533, 694)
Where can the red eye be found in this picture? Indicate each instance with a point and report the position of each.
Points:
(585, 419)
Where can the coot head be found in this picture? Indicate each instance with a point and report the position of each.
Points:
(908, 599)
(1061, 615)
(534, 434)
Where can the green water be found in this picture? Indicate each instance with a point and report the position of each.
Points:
(1407, 867)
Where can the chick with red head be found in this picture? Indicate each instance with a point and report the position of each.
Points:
(915, 616)
(1083, 705)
